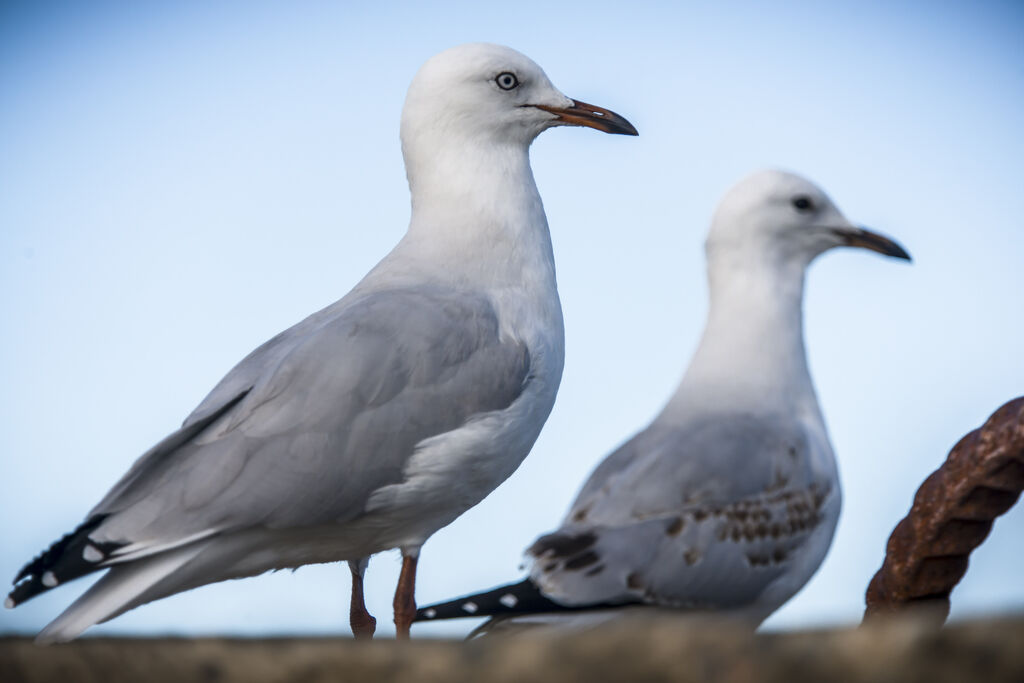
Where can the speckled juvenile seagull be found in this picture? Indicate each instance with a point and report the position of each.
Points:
(378, 420)
(728, 500)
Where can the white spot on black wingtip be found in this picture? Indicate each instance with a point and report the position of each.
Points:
(9, 603)
(91, 553)
(509, 600)
(430, 613)
(49, 580)
(470, 607)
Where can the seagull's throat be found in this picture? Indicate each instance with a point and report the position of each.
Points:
(467, 178)
(751, 356)
(474, 203)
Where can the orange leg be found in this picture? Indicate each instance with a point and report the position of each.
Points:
(362, 622)
(405, 597)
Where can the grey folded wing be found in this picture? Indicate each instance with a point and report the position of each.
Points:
(701, 516)
(305, 428)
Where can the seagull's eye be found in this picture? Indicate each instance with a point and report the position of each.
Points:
(802, 203)
(507, 80)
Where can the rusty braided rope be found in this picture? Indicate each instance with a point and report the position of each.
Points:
(952, 514)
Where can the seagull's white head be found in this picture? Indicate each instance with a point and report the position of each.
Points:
(483, 93)
(786, 219)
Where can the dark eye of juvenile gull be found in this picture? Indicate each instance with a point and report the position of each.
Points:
(802, 203)
(507, 80)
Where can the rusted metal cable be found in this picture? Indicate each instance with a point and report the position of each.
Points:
(952, 514)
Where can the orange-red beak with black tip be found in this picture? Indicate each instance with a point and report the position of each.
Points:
(866, 239)
(591, 116)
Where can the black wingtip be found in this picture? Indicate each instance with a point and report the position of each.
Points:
(61, 562)
(514, 598)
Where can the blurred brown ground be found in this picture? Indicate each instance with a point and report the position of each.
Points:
(898, 649)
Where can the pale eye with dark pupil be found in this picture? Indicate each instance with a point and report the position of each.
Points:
(802, 203)
(507, 81)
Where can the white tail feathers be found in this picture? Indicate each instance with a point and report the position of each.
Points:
(123, 587)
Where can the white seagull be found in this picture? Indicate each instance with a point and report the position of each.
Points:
(728, 500)
(378, 420)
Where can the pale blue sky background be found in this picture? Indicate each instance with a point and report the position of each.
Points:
(178, 182)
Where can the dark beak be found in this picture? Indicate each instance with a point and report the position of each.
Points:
(583, 114)
(866, 239)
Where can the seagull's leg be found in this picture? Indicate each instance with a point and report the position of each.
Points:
(362, 622)
(405, 594)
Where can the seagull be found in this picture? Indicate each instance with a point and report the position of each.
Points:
(728, 500)
(380, 419)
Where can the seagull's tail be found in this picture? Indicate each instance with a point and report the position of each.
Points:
(123, 587)
(515, 598)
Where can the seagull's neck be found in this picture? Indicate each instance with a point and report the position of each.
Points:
(751, 357)
(477, 216)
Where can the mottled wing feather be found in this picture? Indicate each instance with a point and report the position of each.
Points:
(700, 516)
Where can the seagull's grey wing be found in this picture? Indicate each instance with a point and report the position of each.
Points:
(258, 363)
(335, 409)
(648, 441)
(716, 460)
(707, 519)
(228, 392)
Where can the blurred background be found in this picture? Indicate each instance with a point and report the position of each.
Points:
(180, 181)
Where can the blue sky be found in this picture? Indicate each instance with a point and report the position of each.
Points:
(180, 181)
